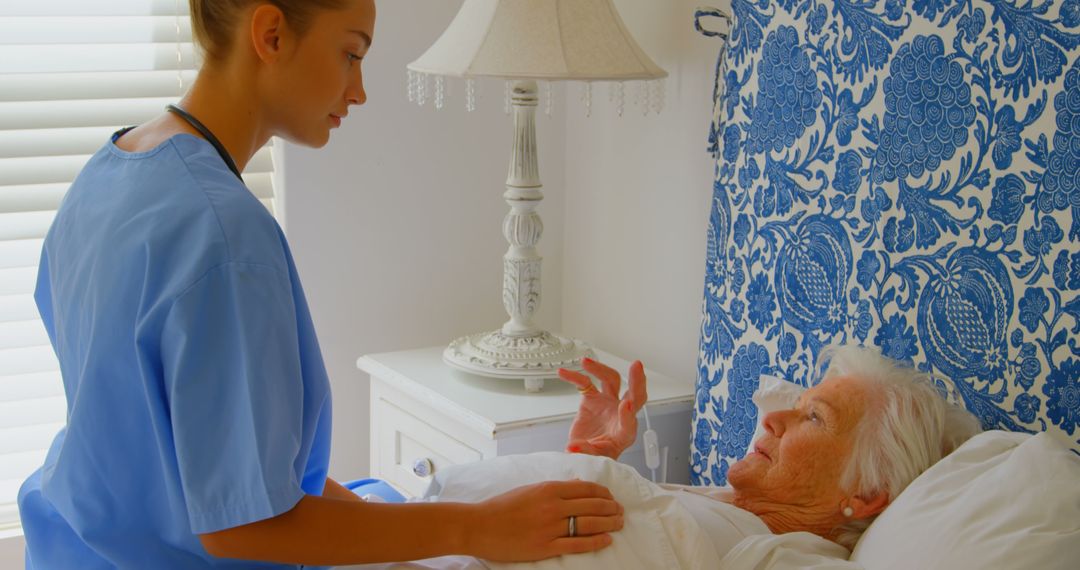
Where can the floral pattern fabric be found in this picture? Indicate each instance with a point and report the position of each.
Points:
(898, 173)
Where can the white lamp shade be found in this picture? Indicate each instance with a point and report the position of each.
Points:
(538, 39)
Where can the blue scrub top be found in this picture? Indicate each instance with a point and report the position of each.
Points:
(196, 392)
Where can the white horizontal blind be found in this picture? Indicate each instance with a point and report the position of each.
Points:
(72, 72)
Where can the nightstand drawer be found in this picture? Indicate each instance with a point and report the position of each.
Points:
(410, 450)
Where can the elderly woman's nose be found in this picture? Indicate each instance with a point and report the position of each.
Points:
(775, 422)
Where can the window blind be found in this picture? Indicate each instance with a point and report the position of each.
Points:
(72, 72)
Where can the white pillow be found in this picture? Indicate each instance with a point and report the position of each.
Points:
(773, 394)
(1001, 500)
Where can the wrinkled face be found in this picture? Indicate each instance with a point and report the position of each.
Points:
(320, 76)
(800, 459)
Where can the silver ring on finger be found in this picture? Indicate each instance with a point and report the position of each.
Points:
(572, 526)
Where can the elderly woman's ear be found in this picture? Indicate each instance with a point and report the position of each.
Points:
(866, 506)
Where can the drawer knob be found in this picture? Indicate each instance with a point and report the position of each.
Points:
(422, 467)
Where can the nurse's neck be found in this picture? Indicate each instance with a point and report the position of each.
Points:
(224, 100)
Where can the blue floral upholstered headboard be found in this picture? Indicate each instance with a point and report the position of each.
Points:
(898, 173)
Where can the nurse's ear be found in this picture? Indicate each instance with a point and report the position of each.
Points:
(269, 32)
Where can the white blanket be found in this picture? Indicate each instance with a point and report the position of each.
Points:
(788, 552)
(659, 530)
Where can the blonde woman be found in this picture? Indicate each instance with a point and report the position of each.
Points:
(198, 432)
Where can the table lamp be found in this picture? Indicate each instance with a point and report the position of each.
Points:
(524, 41)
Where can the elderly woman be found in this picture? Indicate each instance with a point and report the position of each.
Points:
(827, 466)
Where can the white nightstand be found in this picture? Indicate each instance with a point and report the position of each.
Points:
(426, 415)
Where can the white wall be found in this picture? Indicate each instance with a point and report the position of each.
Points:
(396, 225)
(637, 198)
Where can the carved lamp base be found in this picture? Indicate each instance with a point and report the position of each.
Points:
(529, 358)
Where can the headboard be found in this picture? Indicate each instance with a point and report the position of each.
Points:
(898, 173)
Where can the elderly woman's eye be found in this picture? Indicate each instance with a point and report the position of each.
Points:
(814, 417)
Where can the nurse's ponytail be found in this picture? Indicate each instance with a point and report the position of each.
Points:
(213, 21)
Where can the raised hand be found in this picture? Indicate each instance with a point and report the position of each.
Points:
(605, 424)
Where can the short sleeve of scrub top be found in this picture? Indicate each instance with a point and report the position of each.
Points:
(230, 371)
(197, 395)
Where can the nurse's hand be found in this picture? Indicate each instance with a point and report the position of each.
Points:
(605, 424)
(532, 522)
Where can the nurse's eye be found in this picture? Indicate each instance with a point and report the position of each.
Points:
(353, 58)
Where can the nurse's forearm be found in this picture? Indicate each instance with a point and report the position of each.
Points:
(330, 532)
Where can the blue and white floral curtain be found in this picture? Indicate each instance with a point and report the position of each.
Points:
(898, 173)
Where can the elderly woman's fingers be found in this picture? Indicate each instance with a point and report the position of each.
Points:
(628, 421)
(609, 377)
(636, 392)
(582, 446)
(605, 447)
(583, 382)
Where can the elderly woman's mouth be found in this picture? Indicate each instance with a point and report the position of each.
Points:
(758, 450)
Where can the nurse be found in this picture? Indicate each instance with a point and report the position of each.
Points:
(198, 429)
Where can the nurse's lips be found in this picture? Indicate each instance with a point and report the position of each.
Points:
(336, 119)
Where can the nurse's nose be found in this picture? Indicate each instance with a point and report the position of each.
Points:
(355, 93)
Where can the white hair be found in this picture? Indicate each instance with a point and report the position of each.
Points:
(907, 427)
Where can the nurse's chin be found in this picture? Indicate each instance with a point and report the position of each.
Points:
(311, 140)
